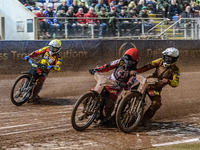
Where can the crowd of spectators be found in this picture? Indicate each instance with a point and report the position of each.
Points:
(107, 15)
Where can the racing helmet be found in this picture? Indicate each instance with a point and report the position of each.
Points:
(55, 46)
(170, 56)
(131, 58)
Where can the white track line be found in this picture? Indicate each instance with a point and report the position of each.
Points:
(176, 142)
(22, 125)
(57, 127)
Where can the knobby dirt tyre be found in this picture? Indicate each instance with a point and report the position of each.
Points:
(123, 104)
(26, 76)
(77, 104)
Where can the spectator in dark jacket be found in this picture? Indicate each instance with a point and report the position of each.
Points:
(75, 6)
(71, 25)
(119, 6)
(112, 21)
(53, 23)
(85, 9)
(64, 4)
(123, 23)
(174, 11)
(92, 3)
(163, 6)
(61, 13)
(133, 24)
(99, 6)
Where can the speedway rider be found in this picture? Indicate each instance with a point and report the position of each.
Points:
(121, 75)
(167, 72)
(50, 58)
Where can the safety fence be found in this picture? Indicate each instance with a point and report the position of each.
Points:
(82, 54)
(118, 28)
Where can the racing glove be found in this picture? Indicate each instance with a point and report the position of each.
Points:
(92, 71)
(123, 84)
(50, 67)
(27, 57)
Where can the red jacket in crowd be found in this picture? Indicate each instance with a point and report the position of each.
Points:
(91, 15)
(79, 15)
(38, 14)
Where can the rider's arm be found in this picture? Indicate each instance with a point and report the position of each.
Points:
(175, 81)
(39, 52)
(107, 67)
(57, 64)
(150, 66)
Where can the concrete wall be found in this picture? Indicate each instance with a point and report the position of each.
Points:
(15, 13)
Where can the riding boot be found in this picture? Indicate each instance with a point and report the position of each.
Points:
(37, 89)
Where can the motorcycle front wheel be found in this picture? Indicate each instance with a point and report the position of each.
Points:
(129, 112)
(84, 111)
(21, 90)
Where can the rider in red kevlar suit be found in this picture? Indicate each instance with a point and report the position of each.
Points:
(121, 75)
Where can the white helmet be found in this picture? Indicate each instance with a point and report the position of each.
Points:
(55, 46)
(170, 56)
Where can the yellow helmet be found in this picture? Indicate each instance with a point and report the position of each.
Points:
(55, 46)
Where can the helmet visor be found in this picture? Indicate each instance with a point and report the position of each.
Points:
(169, 59)
(55, 49)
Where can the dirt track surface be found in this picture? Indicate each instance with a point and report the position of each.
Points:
(47, 125)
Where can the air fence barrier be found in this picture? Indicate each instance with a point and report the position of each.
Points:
(80, 55)
(120, 28)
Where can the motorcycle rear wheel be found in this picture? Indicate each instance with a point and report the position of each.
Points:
(129, 112)
(84, 111)
(20, 93)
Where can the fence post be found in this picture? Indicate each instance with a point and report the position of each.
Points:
(92, 29)
(36, 28)
(143, 27)
(173, 32)
(185, 32)
(192, 30)
(66, 33)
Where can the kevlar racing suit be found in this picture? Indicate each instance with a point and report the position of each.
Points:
(48, 60)
(170, 73)
(122, 77)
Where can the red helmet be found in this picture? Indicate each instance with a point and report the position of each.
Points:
(131, 58)
(133, 52)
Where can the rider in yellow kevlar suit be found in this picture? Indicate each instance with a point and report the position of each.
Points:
(50, 58)
(167, 72)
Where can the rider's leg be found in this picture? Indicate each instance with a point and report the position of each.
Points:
(155, 105)
(38, 87)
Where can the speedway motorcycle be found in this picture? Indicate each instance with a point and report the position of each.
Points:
(89, 106)
(24, 84)
(131, 108)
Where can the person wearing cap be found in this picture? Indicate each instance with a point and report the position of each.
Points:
(64, 4)
(140, 5)
(99, 6)
(103, 22)
(53, 23)
(82, 5)
(112, 21)
(81, 23)
(144, 14)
